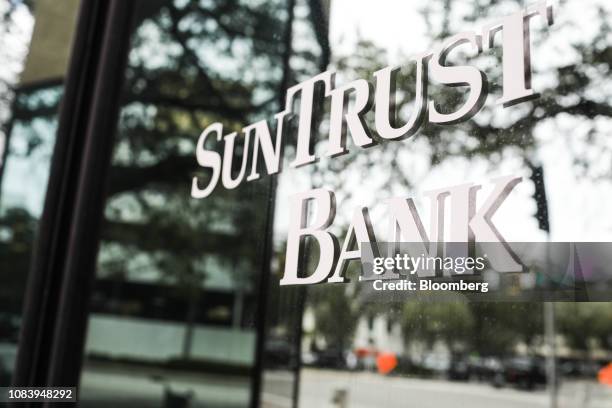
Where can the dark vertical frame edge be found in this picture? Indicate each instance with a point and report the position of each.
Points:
(83, 240)
(264, 278)
(44, 268)
(81, 153)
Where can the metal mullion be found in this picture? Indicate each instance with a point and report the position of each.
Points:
(54, 316)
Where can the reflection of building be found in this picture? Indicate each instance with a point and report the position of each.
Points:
(126, 314)
(50, 48)
(381, 333)
(376, 332)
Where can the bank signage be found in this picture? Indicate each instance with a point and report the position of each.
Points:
(262, 147)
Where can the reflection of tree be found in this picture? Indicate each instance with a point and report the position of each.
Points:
(173, 90)
(586, 323)
(576, 101)
(499, 327)
(495, 329)
(191, 65)
(335, 315)
(14, 36)
(496, 133)
(450, 323)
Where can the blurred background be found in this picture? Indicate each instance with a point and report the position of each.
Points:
(186, 309)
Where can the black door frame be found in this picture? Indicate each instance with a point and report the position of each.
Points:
(56, 299)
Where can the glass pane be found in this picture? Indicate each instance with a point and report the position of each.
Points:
(365, 349)
(173, 316)
(35, 44)
(183, 271)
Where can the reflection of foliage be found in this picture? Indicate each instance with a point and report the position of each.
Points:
(576, 93)
(192, 64)
(486, 328)
(584, 322)
(14, 36)
(500, 326)
(496, 328)
(495, 133)
(450, 323)
(174, 89)
(34, 119)
(335, 315)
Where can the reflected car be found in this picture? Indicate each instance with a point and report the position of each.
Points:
(525, 373)
(473, 368)
(330, 358)
(459, 370)
(579, 368)
(278, 353)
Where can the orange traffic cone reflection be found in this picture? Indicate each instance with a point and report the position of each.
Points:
(605, 375)
(386, 362)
